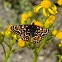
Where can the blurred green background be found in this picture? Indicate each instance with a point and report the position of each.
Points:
(10, 13)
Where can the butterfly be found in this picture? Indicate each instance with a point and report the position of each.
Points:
(27, 32)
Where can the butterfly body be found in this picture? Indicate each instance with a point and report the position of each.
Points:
(31, 31)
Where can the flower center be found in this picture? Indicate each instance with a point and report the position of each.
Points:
(45, 4)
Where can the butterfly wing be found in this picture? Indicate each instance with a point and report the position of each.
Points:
(25, 33)
(26, 36)
(22, 31)
(40, 33)
(45, 33)
(37, 35)
(15, 29)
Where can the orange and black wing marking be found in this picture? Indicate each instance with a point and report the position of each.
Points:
(26, 36)
(37, 35)
(22, 31)
(28, 31)
(40, 33)
(45, 33)
(15, 29)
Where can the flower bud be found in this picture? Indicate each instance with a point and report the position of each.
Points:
(54, 32)
(8, 34)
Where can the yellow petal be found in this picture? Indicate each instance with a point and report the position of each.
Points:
(54, 8)
(36, 9)
(44, 12)
(51, 11)
(37, 23)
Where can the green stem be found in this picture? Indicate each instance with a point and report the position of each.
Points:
(9, 41)
(8, 55)
(45, 19)
(41, 47)
(35, 58)
(35, 53)
(7, 44)
(13, 42)
(15, 49)
(3, 49)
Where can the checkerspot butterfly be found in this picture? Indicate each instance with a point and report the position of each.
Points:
(27, 32)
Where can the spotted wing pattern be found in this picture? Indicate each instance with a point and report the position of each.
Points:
(21, 30)
(17, 29)
(40, 33)
(37, 35)
(45, 33)
(25, 34)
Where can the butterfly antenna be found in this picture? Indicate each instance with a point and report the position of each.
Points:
(8, 24)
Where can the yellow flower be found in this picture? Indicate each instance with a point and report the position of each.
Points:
(8, 34)
(59, 2)
(54, 32)
(24, 17)
(14, 36)
(46, 4)
(2, 33)
(48, 8)
(23, 22)
(21, 43)
(60, 44)
(36, 9)
(37, 23)
(46, 25)
(30, 13)
(49, 21)
(52, 17)
(53, 9)
(59, 35)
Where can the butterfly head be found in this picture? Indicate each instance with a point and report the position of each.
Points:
(33, 23)
(11, 27)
